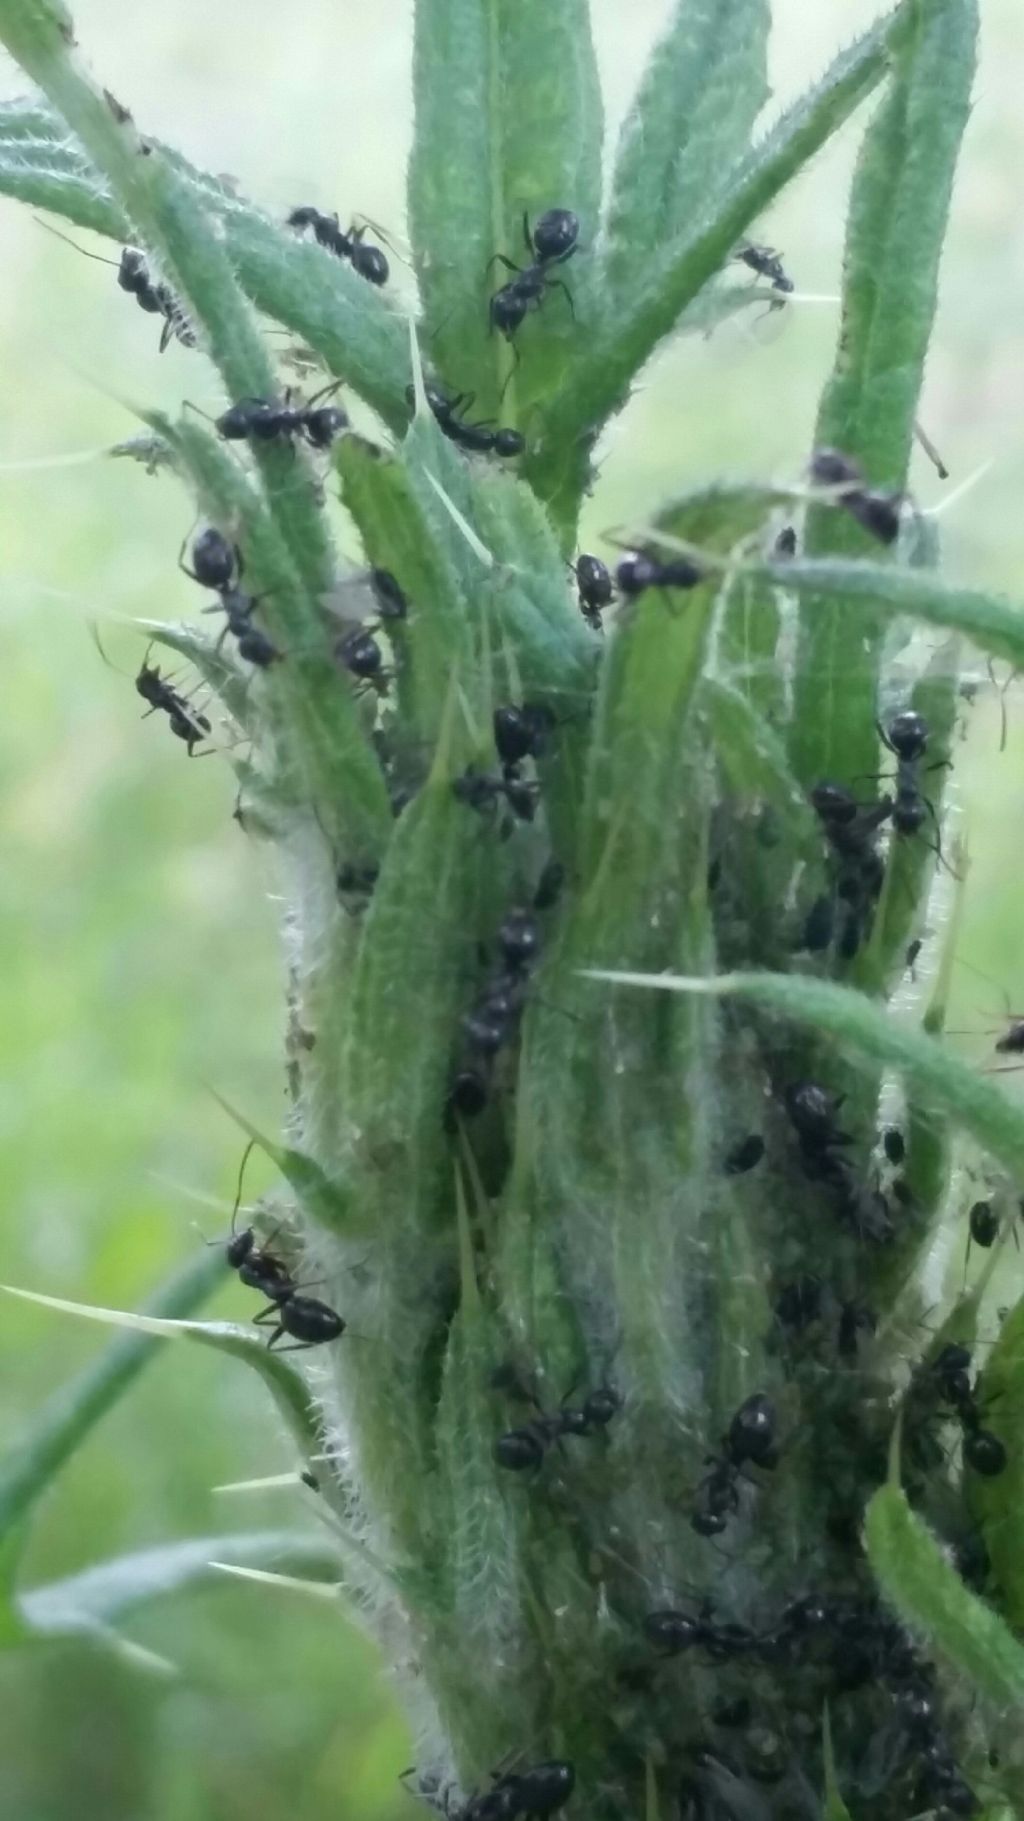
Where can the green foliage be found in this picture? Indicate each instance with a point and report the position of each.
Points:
(590, 1229)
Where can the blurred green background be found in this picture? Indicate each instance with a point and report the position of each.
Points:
(138, 927)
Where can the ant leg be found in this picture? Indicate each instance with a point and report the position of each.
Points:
(884, 737)
(516, 358)
(297, 1346)
(560, 284)
(270, 1313)
(324, 392)
(499, 259)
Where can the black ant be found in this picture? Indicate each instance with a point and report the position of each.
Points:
(813, 1114)
(851, 831)
(983, 1223)
(218, 565)
(751, 1438)
(264, 420)
(947, 1378)
(639, 571)
(493, 1020)
(596, 589)
(185, 722)
(360, 653)
(258, 1268)
(308, 1321)
(524, 1449)
(521, 732)
(482, 790)
(906, 737)
(878, 512)
(478, 439)
(553, 240)
(767, 264)
(676, 1632)
(536, 1792)
(133, 276)
(368, 261)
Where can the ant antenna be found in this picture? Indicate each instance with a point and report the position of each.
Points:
(241, 1174)
(66, 238)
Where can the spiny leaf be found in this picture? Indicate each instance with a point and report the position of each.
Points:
(282, 1381)
(106, 1592)
(64, 1421)
(927, 1592)
(897, 224)
(858, 1025)
(861, 588)
(699, 97)
(508, 119)
(324, 1201)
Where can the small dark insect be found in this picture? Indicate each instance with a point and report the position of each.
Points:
(785, 544)
(767, 264)
(596, 589)
(482, 791)
(185, 722)
(368, 261)
(309, 1479)
(894, 1144)
(984, 1451)
(553, 240)
(522, 732)
(134, 276)
(638, 571)
(830, 468)
(906, 737)
(675, 1632)
(878, 512)
(264, 420)
(913, 950)
(819, 925)
(1011, 1043)
(749, 1439)
(745, 1155)
(391, 602)
(477, 438)
(983, 1222)
(539, 1791)
(218, 565)
(467, 1097)
(309, 1323)
(215, 563)
(360, 653)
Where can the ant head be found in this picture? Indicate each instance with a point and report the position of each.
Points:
(555, 234)
(908, 734)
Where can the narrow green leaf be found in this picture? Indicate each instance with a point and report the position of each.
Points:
(284, 1384)
(99, 1596)
(835, 1808)
(699, 97)
(862, 588)
(508, 119)
(756, 766)
(858, 1025)
(324, 1201)
(927, 1592)
(897, 224)
(62, 1424)
(597, 382)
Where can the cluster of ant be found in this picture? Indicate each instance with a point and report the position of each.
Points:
(493, 1020)
(858, 1644)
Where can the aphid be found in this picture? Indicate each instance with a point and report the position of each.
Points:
(878, 512)
(368, 261)
(539, 1791)
(830, 468)
(553, 240)
(264, 420)
(910, 958)
(819, 925)
(785, 544)
(745, 1155)
(215, 563)
(185, 721)
(467, 1097)
(391, 602)
(596, 589)
(983, 1451)
(549, 886)
(638, 571)
(476, 438)
(767, 264)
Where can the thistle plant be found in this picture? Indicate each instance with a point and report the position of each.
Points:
(623, 1149)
